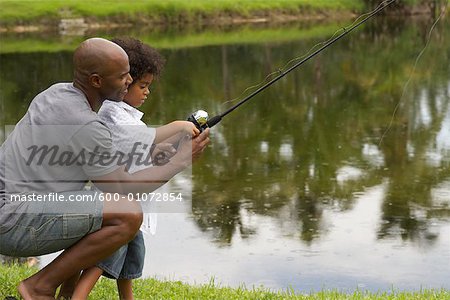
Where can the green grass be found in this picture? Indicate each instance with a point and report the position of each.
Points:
(25, 11)
(10, 276)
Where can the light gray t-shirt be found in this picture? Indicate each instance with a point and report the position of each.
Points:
(57, 146)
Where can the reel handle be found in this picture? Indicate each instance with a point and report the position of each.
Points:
(200, 119)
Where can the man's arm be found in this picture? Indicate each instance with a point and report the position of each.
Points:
(149, 179)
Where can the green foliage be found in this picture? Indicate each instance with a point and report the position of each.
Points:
(22, 12)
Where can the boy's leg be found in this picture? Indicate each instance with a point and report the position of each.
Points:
(116, 230)
(132, 266)
(86, 283)
(125, 288)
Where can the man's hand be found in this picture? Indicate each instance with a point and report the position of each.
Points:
(190, 149)
(162, 153)
(199, 144)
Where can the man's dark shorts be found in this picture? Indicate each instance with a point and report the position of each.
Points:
(48, 227)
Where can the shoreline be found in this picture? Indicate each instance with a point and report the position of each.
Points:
(70, 19)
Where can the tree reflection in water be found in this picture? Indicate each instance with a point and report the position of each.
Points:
(329, 118)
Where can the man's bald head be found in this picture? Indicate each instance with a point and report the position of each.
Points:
(101, 70)
(96, 55)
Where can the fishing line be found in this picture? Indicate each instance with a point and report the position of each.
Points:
(201, 118)
(429, 36)
(289, 63)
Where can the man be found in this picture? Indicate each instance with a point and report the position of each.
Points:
(58, 146)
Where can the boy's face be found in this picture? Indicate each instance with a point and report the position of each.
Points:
(139, 90)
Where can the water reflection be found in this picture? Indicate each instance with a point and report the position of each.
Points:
(317, 182)
(319, 148)
(344, 255)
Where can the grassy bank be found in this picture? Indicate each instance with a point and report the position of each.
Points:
(47, 12)
(10, 276)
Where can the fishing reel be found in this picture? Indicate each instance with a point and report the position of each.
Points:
(200, 119)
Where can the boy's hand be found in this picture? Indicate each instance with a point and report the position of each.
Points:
(189, 128)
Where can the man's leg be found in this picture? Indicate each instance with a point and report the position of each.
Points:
(117, 230)
(68, 286)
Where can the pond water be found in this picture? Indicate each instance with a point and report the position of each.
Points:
(337, 177)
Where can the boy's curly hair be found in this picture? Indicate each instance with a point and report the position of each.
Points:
(143, 59)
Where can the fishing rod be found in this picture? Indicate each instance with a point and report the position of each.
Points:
(201, 118)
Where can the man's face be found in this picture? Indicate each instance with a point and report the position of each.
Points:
(116, 80)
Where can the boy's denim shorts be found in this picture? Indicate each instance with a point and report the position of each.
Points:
(47, 227)
(127, 262)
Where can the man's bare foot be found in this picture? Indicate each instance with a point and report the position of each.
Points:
(63, 296)
(28, 291)
(68, 287)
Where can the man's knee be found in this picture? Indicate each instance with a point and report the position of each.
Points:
(126, 215)
(124, 225)
(129, 224)
(134, 221)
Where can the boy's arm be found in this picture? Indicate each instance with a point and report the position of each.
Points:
(169, 133)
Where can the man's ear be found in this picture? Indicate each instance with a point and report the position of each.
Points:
(95, 80)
